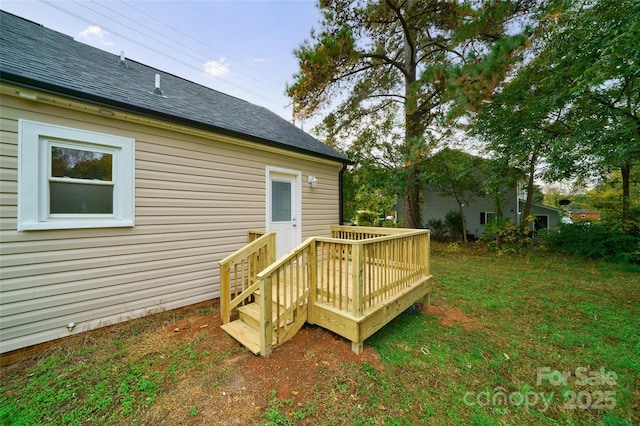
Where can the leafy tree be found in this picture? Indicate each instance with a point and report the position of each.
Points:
(390, 65)
(519, 126)
(371, 183)
(538, 195)
(574, 109)
(498, 178)
(607, 198)
(366, 188)
(454, 173)
(598, 62)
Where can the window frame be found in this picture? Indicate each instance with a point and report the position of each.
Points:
(34, 175)
(486, 217)
(535, 221)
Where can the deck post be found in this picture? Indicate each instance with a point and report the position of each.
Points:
(426, 300)
(425, 250)
(312, 279)
(266, 305)
(357, 257)
(357, 347)
(225, 293)
(271, 249)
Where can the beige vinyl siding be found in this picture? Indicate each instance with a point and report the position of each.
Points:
(196, 198)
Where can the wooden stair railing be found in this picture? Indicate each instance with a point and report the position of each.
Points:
(284, 295)
(239, 270)
(271, 298)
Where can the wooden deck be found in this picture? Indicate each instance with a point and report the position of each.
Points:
(352, 284)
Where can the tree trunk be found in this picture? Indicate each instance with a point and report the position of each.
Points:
(413, 135)
(524, 218)
(626, 195)
(412, 203)
(464, 223)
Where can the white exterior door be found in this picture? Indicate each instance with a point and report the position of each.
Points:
(283, 208)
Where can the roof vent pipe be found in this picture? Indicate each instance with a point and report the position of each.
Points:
(156, 90)
(122, 60)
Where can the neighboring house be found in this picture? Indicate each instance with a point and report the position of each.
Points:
(478, 213)
(545, 217)
(584, 216)
(123, 186)
(481, 211)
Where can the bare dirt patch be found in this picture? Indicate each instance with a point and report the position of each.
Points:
(453, 316)
(209, 378)
(238, 389)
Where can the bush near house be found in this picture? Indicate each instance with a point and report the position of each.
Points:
(595, 241)
(438, 229)
(501, 232)
(366, 218)
(453, 220)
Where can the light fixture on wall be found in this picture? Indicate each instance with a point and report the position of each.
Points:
(313, 181)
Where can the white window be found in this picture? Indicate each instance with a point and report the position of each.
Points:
(70, 178)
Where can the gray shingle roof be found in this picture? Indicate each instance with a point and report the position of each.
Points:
(34, 56)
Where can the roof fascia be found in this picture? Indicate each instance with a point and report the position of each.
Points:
(122, 106)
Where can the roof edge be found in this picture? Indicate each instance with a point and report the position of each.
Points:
(100, 101)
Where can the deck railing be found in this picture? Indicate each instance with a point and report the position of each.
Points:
(253, 234)
(363, 232)
(369, 265)
(393, 264)
(239, 270)
(355, 272)
(283, 294)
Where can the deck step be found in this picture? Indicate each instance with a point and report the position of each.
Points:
(245, 334)
(257, 299)
(250, 314)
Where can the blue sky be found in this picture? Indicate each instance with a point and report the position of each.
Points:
(241, 48)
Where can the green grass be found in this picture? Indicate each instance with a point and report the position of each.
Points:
(530, 312)
(282, 412)
(532, 317)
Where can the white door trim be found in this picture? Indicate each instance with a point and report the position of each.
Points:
(296, 211)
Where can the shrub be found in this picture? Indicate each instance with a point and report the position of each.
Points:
(366, 218)
(453, 220)
(438, 229)
(387, 223)
(595, 241)
(503, 231)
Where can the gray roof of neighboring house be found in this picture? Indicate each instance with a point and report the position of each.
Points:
(542, 206)
(37, 57)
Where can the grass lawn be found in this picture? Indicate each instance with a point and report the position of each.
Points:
(510, 339)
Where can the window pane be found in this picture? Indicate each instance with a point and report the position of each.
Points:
(80, 198)
(80, 164)
(280, 201)
(541, 222)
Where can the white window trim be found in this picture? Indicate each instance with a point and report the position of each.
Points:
(33, 177)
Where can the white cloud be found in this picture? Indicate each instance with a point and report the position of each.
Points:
(216, 68)
(95, 33)
(261, 60)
